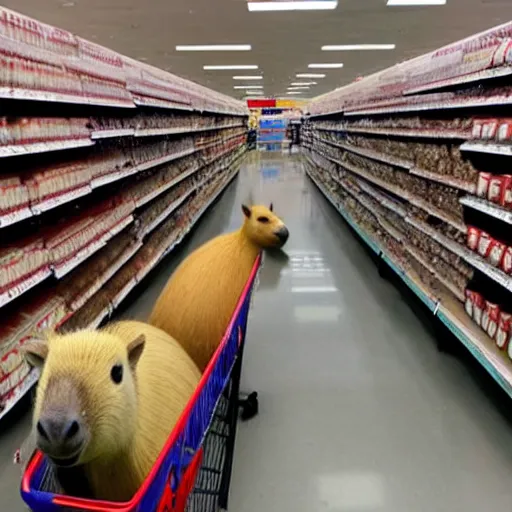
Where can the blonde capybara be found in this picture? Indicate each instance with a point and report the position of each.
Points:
(200, 297)
(107, 401)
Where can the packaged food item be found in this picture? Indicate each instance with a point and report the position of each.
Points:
(482, 188)
(495, 187)
(478, 308)
(505, 130)
(506, 261)
(507, 193)
(503, 334)
(468, 304)
(492, 313)
(473, 237)
(477, 128)
(489, 129)
(484, 324)
(496, 252)
(484, 244)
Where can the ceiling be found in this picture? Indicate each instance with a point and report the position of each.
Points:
(283, 43)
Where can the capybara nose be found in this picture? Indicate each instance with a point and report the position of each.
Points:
(59, 437)
(283, 235)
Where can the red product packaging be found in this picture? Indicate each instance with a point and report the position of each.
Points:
(492, 313)
(503, 334)
(478, 308)
(482, 188)
(494, 193)
(477, 128)
(506, 184)
(468, 304)
(490, 129)
(506, 261)
(473, 237)
(507, 193)
(505, 130)
(496, 252)
(484, 244)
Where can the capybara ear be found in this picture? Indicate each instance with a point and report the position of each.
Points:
(35, 352)
(135, 349)
(247, 211)
(271, 207)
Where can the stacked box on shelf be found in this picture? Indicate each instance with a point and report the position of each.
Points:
(427, 144)
(93, 196)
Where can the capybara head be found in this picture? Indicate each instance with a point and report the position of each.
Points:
(263, 227)
(86, 401)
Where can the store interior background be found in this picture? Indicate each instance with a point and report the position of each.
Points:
(414, 430)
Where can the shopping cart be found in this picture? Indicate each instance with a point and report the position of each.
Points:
(193, 471)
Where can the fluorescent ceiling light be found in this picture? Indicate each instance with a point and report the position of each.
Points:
(354, 47)
(326, 66)
(213, 48)
(234, 66)
(303, 83)
(254, 77)
(310, 75)
(415, 2)
(294, 5)
(298, 87)
(294, 92)
(248, 87)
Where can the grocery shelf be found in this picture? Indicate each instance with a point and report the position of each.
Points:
(31, 379)
(149, 197)
(21, 390)
(370, 153)
(474, 259)
(58, 97)
(42, 147)
(419, 257)
(486, 74)
(106, 276)
(477, 342)
(60, 199)
(100, 82)
(416, 201)
(158, 220)
(24, 285)
(61, 270)
(452, 103)
(484, 206)
(15, 216)
(449, 312)
(411, 280)
(387, 202)
(488, 147)
(116, 132)
(466, 186)
(149, 132)
(403, 132)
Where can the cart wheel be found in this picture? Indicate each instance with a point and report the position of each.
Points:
(249, 406)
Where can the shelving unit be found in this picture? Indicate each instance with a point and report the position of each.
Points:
(414, 159)
(109, 195)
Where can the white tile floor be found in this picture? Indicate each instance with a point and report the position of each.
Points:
(358, 410)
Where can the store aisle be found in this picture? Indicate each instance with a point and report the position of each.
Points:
(358, 411)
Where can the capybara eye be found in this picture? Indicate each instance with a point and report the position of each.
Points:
(116, 374)
(263, 219)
